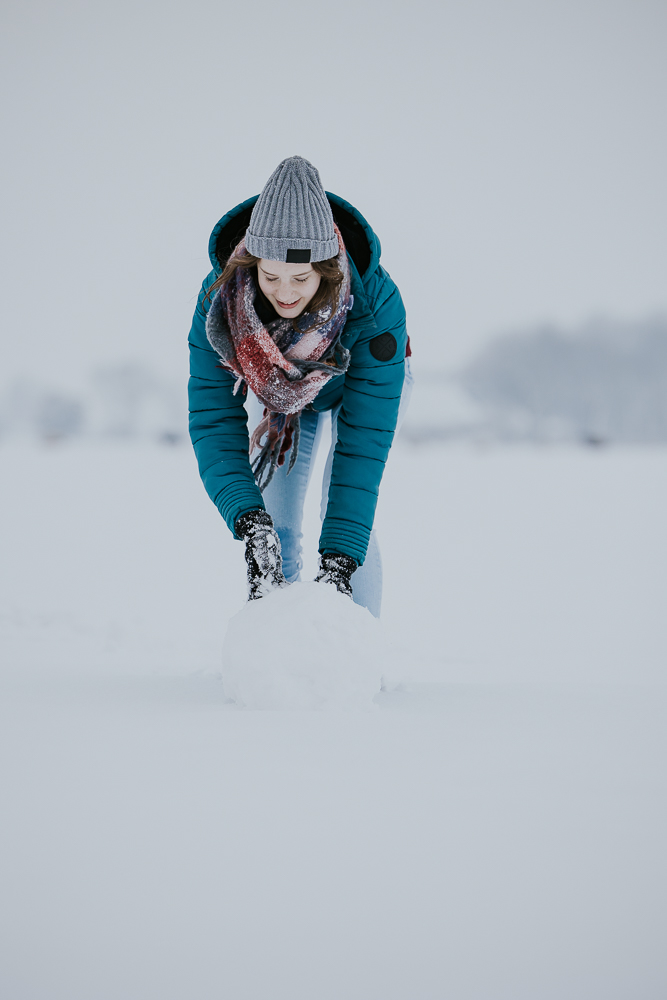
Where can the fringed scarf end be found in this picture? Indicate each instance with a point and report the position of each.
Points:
(283, 433)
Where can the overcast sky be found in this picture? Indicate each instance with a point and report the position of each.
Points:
(511, 156)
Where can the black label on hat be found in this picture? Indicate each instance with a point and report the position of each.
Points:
(298, 257)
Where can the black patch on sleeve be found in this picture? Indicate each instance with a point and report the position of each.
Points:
(297, 257)
(383, 348)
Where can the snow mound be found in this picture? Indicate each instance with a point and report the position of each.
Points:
(305, 647)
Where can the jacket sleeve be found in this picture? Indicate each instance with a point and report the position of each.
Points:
(219, 426)
(366, 425)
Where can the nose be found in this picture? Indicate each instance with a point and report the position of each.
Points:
(286, 293)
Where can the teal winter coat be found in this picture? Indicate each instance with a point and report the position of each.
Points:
(369, 391)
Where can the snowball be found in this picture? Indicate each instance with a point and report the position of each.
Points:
(303, 647)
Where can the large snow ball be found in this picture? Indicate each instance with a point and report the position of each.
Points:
(303, 647)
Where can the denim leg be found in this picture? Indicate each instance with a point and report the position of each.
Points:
(285, 495)
(406, 393)
(367, 580)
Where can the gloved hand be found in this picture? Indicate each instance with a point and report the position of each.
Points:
(337, 569)
(262, 553)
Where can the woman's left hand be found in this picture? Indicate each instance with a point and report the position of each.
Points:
(337, 568)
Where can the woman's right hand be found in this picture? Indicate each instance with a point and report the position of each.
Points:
(262, 553)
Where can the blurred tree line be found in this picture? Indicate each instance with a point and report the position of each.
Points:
(125, 402)
(604, 383)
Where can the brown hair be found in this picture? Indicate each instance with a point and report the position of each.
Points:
(326, 294)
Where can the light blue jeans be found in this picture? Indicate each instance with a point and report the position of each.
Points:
(285, 495)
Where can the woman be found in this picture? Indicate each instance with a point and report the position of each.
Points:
(297, 319)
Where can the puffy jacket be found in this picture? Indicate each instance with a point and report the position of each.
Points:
(369, 391)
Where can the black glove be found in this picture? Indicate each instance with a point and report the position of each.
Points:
(262, 553)
(337, 569)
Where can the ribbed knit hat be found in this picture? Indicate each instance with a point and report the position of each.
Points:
(292, 219)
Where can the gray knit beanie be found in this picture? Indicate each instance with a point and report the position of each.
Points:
(292, 219)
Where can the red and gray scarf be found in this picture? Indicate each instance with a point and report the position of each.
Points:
(285, 362)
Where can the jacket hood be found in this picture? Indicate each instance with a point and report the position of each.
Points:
(361, 243)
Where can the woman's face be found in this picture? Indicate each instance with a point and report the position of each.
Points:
(288, 287)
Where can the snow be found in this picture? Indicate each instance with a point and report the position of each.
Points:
(493, 830)
(305, 647)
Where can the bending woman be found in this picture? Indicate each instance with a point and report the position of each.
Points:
(297, 319)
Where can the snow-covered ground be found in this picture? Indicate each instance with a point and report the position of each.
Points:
(495, 830)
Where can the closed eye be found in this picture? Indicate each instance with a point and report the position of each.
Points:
(271, 280)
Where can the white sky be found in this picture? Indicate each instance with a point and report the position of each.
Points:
(511, 156)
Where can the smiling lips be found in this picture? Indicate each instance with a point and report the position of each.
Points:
(287, 305)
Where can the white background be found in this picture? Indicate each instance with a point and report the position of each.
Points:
(510, 155)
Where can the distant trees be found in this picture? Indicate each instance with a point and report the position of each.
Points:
(124, 402)
(606, 382)
(58, 416)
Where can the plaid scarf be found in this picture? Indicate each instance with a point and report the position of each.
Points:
(285, 362)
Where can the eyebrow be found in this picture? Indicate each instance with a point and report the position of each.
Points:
(299, 275)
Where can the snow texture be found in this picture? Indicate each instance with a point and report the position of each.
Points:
(495, 830)
(305, 647)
